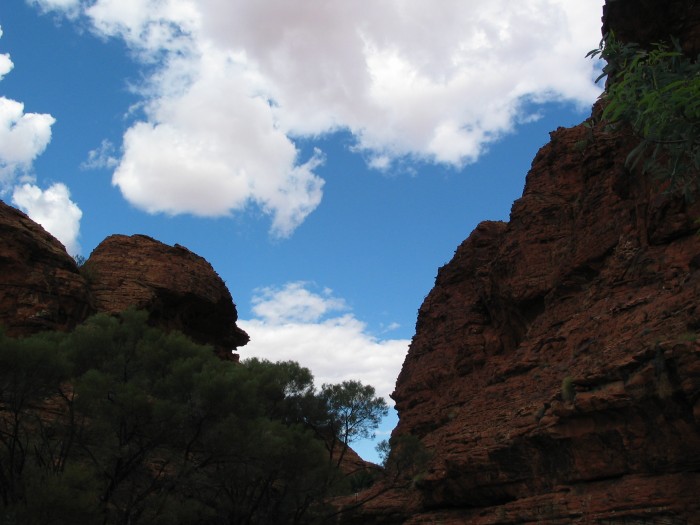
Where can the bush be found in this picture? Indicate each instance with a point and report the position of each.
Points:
(568, 392)
(657, 93)
(119, 422)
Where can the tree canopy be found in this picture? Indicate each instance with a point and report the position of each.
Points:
(118, 423)
(656, 91)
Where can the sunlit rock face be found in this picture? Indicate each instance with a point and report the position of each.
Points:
(42, 288)
(40, 285)
(178, 288)
(555, 371)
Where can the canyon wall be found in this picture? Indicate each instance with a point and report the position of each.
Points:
(554, 376)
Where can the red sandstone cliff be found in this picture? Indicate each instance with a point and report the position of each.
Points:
(41, 288)
(555, 371)
(178, 288)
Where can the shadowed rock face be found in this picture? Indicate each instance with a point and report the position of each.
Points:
(178, 288)
(555, 370)
(651, 21)
(594, 283)
(40, 286)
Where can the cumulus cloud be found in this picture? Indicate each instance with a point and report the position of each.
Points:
(294, 302)
(23, 137)
(53, 209)
(237, 81)
(212, 148)
(315, 329)
(409, 79)
(6, 64)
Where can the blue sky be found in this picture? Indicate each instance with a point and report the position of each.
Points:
(326, 157)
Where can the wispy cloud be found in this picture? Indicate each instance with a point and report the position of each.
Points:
(316, 329)
(102, 157)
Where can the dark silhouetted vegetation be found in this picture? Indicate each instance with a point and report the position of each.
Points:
(350, 411)
(404, 458)
(121, 423)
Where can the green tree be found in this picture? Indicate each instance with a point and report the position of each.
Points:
(135, 417)
(656, 92)
(403, 458)
(30, 372)
(121, 423)
(286, 389)
(353, 411)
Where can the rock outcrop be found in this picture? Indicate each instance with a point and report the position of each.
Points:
(555, 372)
(40, 286)
(178, 288)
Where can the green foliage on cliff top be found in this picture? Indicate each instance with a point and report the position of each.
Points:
(657, 92)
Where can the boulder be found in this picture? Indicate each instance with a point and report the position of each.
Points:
(178, 288)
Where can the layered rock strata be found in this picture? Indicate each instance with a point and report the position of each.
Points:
(555, 371)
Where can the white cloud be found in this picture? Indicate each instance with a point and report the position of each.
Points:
(211, 148)
(101, 157)
(294, 302)
(239, 79)
(23, 136)
(405, 77)
(294, 322)
(53, 209)
(6, 64)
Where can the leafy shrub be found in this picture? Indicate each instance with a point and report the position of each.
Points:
(657, 92)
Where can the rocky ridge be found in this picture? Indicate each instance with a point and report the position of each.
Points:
(554, 376)
(42, 288)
